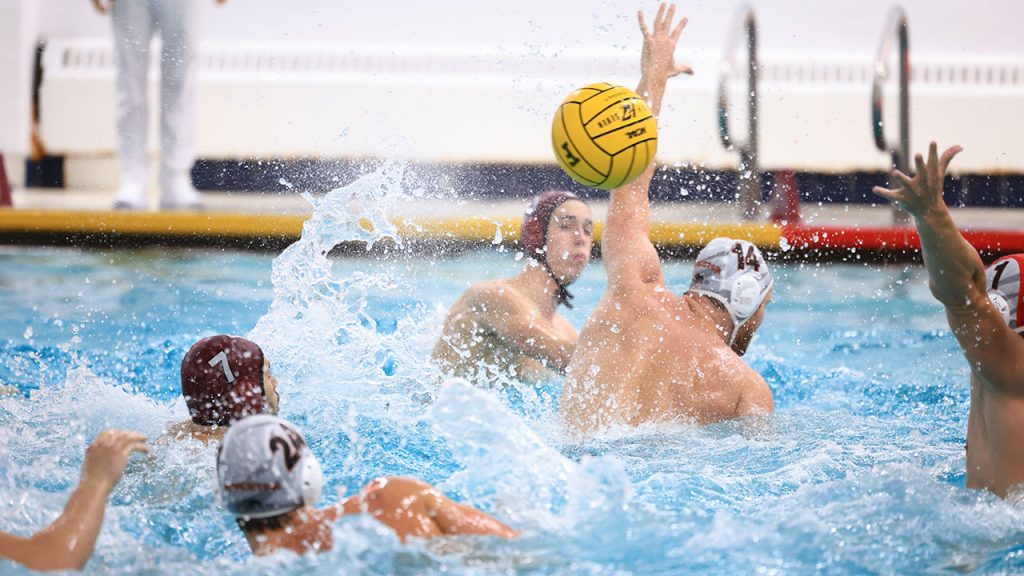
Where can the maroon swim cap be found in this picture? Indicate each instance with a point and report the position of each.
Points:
(533, 236)
(222, 380)
(534, 233)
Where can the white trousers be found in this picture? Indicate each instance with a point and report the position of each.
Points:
(134, 24)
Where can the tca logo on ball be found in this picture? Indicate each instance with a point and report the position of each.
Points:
(638, 132)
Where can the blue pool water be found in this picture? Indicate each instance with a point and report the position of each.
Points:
(859, 471)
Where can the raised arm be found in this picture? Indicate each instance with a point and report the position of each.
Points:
(956, 275)
(626, 247)
(68, 542)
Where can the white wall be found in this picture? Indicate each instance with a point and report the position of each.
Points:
(937, 25)
(800, 127)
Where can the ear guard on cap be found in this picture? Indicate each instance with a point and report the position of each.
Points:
(999, 301)
(745, 296)
(312, 480)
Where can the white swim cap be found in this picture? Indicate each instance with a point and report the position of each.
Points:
(265, 469)
(1005, 286)
(734, 273)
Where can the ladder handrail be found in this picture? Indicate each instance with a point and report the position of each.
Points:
(894, 36)
(744, 27)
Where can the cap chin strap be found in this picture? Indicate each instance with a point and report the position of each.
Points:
(736, 322)
(562, 294)
(736, 330)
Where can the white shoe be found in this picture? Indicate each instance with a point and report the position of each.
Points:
(178, 194)
(130, 196)
(120, 205)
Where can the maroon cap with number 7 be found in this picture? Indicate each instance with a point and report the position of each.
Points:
(222, 380)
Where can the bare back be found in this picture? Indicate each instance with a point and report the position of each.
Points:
(647, 356)
(994, 431)
(995, 424)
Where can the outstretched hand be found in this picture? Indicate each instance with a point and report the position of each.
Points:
(657, 60)
(922, 193)
(108, 455)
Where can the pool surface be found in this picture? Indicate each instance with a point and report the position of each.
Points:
(861, 469)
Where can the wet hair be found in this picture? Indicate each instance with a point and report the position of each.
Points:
(222, 380)
(533, 236)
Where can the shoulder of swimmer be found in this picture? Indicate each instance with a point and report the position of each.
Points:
(498, 299)
(189, 429)
(387, 493)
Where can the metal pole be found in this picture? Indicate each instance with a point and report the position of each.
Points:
(896, 28)
(899, 215)
(749, 185)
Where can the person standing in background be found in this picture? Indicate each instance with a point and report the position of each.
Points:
(134, 23)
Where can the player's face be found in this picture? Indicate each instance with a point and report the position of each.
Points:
(569, 240)
(271, 399)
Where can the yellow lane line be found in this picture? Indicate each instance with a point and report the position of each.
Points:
(692, 234)
(218, 224)
(152, 223)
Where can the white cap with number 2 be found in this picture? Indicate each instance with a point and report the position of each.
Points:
(265, 469)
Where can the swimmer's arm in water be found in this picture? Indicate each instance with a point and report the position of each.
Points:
(454, 518)
(68, 542)
(626, 247)
(516, 321)
(416, 509)
(956, 274)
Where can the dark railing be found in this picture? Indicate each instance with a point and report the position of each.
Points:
(894, 36)
(744, 28)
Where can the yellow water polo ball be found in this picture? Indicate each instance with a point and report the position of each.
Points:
(604, 135)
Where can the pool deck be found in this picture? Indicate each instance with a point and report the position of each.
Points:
(272, 220)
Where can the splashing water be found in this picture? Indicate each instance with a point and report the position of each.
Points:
(860, 469)
(314, 318)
